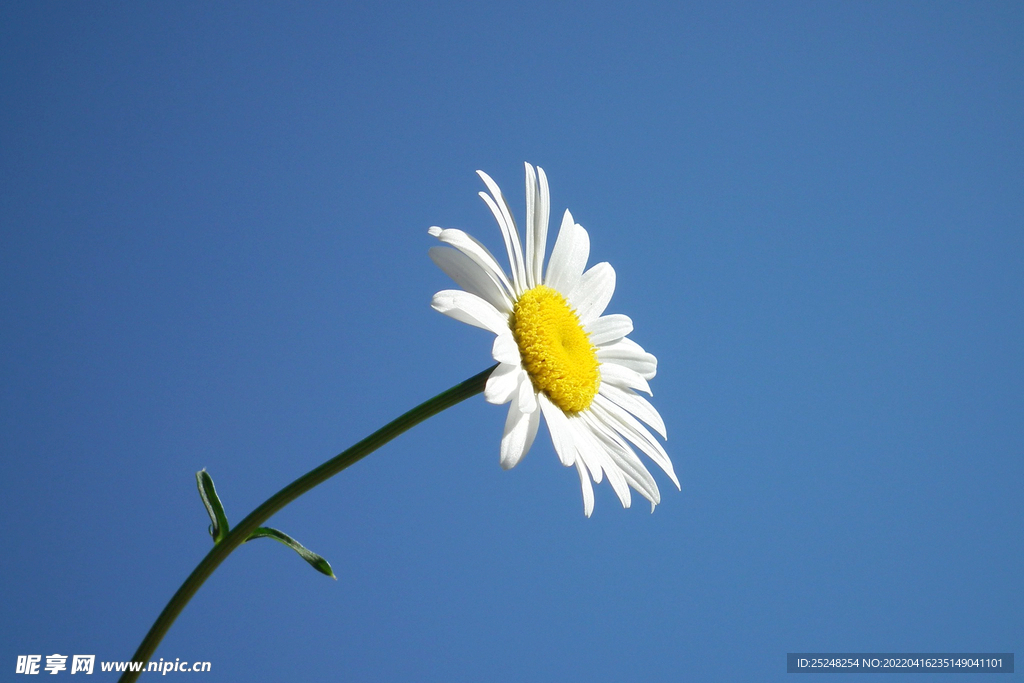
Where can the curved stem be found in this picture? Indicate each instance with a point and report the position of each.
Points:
(472, 386)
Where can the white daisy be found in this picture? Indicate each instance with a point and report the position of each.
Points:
(557, 354)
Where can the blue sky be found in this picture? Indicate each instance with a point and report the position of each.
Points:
(213, 253)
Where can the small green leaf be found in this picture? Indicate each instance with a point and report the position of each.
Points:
(219, 525)
(318, 563)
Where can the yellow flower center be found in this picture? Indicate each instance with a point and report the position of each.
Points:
(556, 352)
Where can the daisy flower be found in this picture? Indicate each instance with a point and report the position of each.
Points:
(558, 355)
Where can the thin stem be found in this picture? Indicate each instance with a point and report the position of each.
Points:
(472, 386)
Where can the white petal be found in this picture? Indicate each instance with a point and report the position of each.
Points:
(592, 461)
(537, 209)
(595, 455)
(593, 468)
(472, 248)
(653, 495)
(609, 328)
(617, 479)
(628, 426)
(502, 383)
(586, 452)
(531, 208)
(592, 293)
(505, 349)
(520, 430)
(623, 457)
(619, 485)
(527, 395)
(503, 215)
(470, 309)
(569, 256)
(540, 225)
(638, 405)
(469, 275)
(561, 434)
(623, 377)
(628, 353)
(588, 489)
(637, 476)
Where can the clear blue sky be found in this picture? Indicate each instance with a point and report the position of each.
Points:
(213, 253)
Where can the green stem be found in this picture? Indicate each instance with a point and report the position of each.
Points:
(472, 386)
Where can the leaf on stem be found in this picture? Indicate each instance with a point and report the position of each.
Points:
(219, 521)
(318, 563)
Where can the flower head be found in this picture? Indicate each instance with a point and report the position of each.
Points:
(558, 354)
